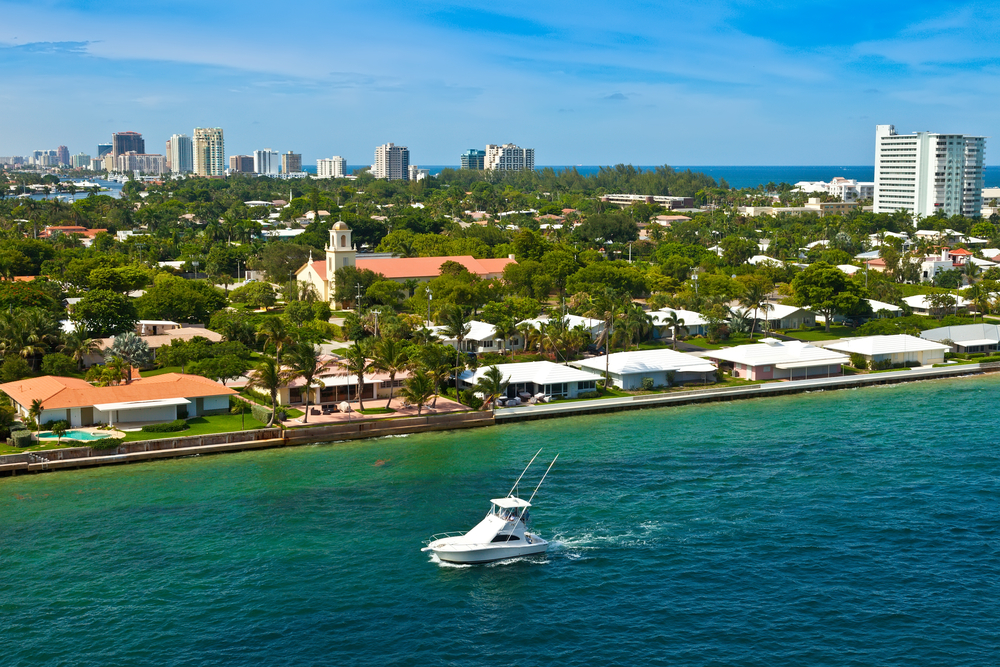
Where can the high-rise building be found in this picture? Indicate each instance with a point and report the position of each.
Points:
(335, 167)
(209, 151)
(265, 162)
(80, 161)
(62, 154)
(927, 172)
(143, 163)
(392, 162)
(418, 174)
(97, 164)
(291, 163)
(241, 164)
(180, 154)
(103, 149)
(474, 159)
(509, 158)
(125, 142)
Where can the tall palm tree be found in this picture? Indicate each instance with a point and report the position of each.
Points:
(272, 330)
(434, 360)
(491, 384)
(675, 324)
(77, 344)
(306, 362)
(754, 297)
(418, 389)
(390, 357)
(357, 363)
(268, 376)
(506, 329)
(35, 413)
(456, 325)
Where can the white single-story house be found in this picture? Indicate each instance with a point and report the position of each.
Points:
(773, 359)
(883, 309)
(482, 338)
(781, 316)
(665, 367)
(594, 326)
(537, 377)
(160, 398)
(966, 337)
(695, 324)
(920, 304)
(897, 349)
(849, 269)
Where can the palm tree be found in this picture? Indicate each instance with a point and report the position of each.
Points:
(132, 350)
(434, 360)
(675, 324)
(268, 376)
(390, 357)
(637, 323)
(418, 389)
(77, 344)
(240, 407)
(754, 296)
(306, 361)
(357, 363)
(456, 326)
(506, 329)
(273, 331)
(35, 413)
(491, 384)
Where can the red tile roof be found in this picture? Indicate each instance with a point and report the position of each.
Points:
(430, 267)
(63, 392)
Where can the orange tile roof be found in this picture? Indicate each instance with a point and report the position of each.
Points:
(430, 267)
(63, 392)
(319, 267)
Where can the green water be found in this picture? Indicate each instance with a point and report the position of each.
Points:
(842, 528)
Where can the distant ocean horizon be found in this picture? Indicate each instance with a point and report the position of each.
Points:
(739, 176)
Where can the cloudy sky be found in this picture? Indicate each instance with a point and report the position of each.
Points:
(583, 82)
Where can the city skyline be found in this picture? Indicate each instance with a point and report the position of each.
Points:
(727, 84)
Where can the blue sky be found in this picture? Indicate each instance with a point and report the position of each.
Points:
(727, 83)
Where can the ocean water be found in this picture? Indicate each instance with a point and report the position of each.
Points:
(841, 528)
(748, 176)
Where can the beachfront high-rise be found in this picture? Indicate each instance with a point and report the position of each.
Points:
(291, 163)
(209, 151)
(180, 154)
(334, 167)
(392, 162)
(927, 172)
(509, 158)
(266, 162)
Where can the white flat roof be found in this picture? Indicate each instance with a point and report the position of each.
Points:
(691, 318)
(780, 352)
(510, 502)
(647, 361)
(138, 405)
(882, 305)
(981, 341)
(894, 344)
(537, 372)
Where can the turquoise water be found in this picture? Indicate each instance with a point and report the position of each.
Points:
(843, 528)
(71, 435)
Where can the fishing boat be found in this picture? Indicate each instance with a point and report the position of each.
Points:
(502, 534)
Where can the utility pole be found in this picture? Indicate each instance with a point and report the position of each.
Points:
(357, 302)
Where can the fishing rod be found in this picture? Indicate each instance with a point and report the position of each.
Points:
(524, 471)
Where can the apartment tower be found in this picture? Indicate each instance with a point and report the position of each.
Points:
(291, 163)
(266, 162)
(925, 172)
(335, 167)
(474, 159)
(509, 158)
(209, 151)
(392, 162)
(127, 142)
(180, 154)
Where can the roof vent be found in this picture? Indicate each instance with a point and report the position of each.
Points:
(771, 341)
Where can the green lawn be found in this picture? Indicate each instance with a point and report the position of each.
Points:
(732, 341)
(202, 426)
(160, 371)
(819, 333)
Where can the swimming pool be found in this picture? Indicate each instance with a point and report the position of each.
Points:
(71, 435)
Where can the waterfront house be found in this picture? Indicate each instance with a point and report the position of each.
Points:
(333, 384)
(593, 326)
(156, 333)
(537, 377)
(159, 398)
(966, 337)
(773, 359)
(896, 349)
(921, 305)
(695, 324)
(482, 338)
(780, 316)
(664, 367)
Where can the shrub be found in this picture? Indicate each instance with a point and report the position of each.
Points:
(21, 438)
(882, 365)
(106, 443)
(167, 427)
(589, 394)
(859, 361)
(58, 363)
(470, 399)
(975, 355)
(262, 414)
(14, 368)
(648, 384)
(912, 363)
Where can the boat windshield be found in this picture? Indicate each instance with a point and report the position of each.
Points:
(511, 513)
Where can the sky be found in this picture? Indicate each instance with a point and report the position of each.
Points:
(582, 82)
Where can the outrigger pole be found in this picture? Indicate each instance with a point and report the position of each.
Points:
(542, 479)
(524, 471)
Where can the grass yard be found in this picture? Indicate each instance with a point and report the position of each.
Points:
(732, 341)
(819, 333)
(202, 426)
(160, 371)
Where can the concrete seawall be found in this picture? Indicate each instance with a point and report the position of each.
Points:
(151, 450)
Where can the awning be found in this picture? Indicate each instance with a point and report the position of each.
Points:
(832, 361)
(139, 405)
(698, 368)
(982, 341)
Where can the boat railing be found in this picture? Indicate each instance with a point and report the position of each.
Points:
(441, 536)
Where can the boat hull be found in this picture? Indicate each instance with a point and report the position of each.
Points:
(468, 554)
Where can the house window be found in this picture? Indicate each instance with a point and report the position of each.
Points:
(557, 389)
(588, 385)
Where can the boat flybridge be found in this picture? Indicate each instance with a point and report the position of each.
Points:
(502, 534)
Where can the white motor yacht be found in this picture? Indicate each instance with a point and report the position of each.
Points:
(502, 534)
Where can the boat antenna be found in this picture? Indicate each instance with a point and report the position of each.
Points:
(542, 479)
(524, 471)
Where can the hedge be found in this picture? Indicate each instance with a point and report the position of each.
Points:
(21, 438)
(167, 427)
(106, 443)
(263, 415)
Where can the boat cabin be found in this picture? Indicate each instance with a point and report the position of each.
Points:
(510, 509)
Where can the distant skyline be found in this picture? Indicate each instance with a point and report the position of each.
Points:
(726, 83)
